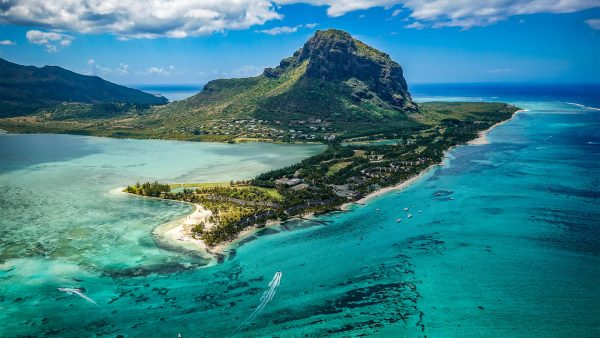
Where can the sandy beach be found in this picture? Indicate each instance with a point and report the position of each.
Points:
(383, 191)
(483, 136)
(178, 233)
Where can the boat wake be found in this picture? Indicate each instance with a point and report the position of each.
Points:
(78, 292)
(266, 297)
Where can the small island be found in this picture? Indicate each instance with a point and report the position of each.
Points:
(347, 171)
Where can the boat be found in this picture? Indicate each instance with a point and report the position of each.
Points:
(405, 209)
(398, 220)
(409, 215)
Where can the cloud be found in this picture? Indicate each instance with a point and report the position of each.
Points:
(246, 71)
(286, 29)
(471, 13)
(53, 41)
(593, 23)
(415, 25)
(455, 13)
(139, 19)
(96, 69)
(280, 30)
(7, 43)
(162, 71)
(337, 8)
(128, 19)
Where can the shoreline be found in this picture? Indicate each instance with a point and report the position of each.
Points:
(177, 232)
(483, 139)
(174, 234)
(398, 187)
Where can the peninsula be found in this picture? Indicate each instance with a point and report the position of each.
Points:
(335, 90)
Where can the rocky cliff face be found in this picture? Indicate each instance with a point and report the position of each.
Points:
(334, 55)
(333, 77)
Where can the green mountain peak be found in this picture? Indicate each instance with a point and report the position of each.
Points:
(333, 77)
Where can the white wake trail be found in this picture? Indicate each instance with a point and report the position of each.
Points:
(78, 292)
(266, 297)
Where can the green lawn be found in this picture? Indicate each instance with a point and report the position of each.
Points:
(270, 191)
(337, 167)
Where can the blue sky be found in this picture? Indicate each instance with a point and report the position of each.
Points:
(193, 41)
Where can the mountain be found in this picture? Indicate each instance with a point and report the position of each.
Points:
(333, 88)
(25, 90)
(332, 77)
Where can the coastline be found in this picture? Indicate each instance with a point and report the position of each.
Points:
(483, 136)
(177, 234)
(383, 191)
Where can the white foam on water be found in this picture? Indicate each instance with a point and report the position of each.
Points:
(71, 291)
(582, 106)
(266, 297)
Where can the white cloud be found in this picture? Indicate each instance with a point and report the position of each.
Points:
(162, 71)
(96, 69)
(286, 29)
(280, 30)
(341, 7)
(456, 13)
(129, 19)
(7, 43)
(415, 25)
(246, 71)
(157, 71)
(593, 23)
(139, 19)
(123, 69)
(53, 41)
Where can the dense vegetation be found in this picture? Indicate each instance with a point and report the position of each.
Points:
(344, 172)
(335, 90)
(152, 189)
(333, 86)
(25, 90)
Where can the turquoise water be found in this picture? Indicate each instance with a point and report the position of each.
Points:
(507, 243)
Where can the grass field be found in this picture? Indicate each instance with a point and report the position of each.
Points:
(337, 167)
(270, 191)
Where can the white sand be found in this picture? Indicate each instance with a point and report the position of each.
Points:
(483, 136)
(401, 186)
(179, 231)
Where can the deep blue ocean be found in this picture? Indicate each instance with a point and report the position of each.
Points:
(504, 240)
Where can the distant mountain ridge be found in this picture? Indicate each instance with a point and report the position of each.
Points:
(333, 76)
(25, 90)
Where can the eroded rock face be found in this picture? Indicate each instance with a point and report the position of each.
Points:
(334, 55)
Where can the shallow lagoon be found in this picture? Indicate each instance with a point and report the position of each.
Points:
(506, 244)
